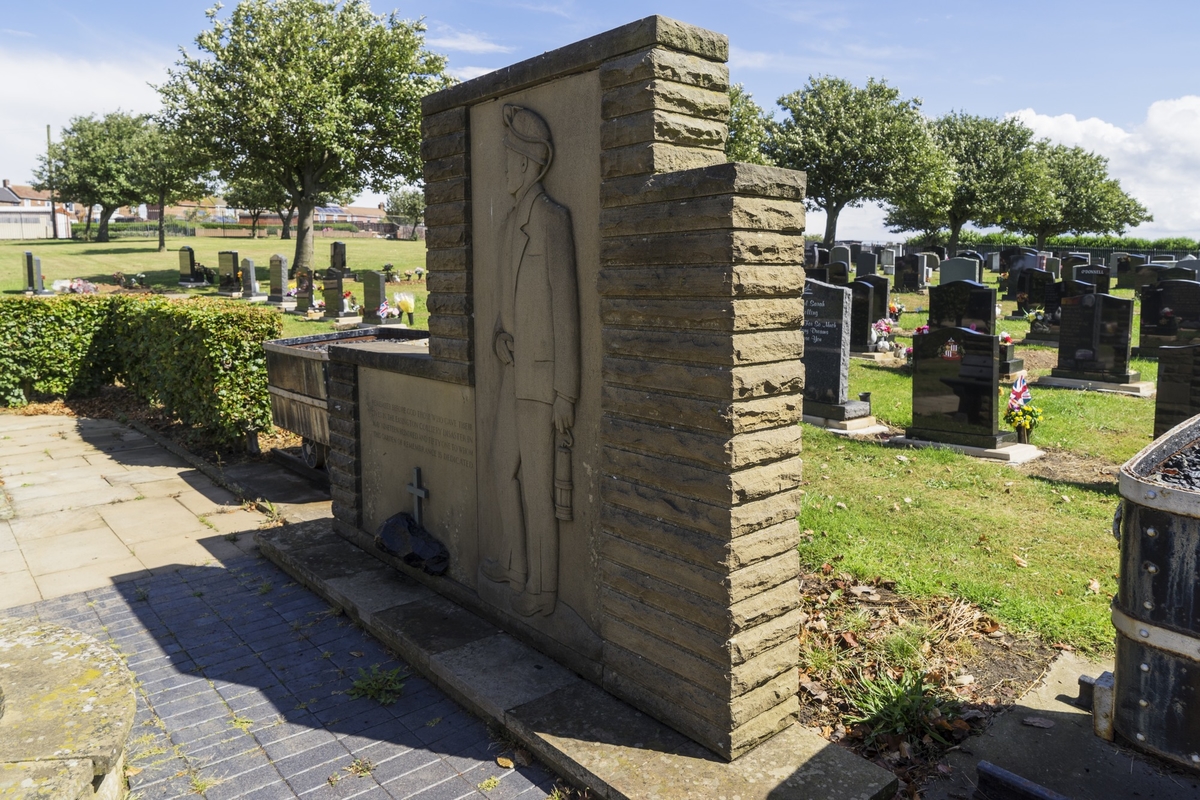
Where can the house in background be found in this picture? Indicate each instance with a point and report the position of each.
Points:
(25, 213)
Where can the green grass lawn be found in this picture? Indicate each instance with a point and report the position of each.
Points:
(97, 263)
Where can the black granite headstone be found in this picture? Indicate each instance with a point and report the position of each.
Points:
(337, 256)
(333, 290)
(1179, 271)
(1170, 315)
(1031, 289)
(940, 250)
(816, 274)
(881, 296)
(304, 289)
(826, 343)
(1055, 292)
(963, 304)
(1144, 275)
(228, 269)
(908, 273)
(1178, 395)
(1097, 275)
(839, 273)
(822, 256)
(866, 263)
(1094, 339)
(956, 385)
(861, 298)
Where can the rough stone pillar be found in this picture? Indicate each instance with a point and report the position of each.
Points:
(343, 462)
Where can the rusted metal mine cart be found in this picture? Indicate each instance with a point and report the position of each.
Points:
(298, 380)
(1153, 700)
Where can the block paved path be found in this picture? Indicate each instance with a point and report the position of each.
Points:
(243, 676)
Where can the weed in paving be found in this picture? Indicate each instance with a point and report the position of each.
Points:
(382, 686)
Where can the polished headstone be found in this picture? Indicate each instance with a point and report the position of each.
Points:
(881, 296)
(279, 278)
(840, 252)
(1094, 339)
(334, 292)
(866, 264)
(1144, 275)
(250, 281)
(839, 273)
(374, 295)
(960, 268)
(33, 275)
(1178, 397)
(1031, 289)
(337, 256)
(826, 343)
(1098, 275)
(1055, 292)
(817, 274)
(908, 274)
(963, 304)
(1055, 267)
(304, 289)
(862, 295)
(955, 388)
(227, 270)
(187, 265)
(1170, 315)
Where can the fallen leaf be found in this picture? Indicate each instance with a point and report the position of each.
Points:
(356, 653)
(827, 731)
(1065, 499)
(129, 771)
(522, 757)
(1037, 722)
(902, 458)
(507, 763)
(816, 690)
(1020, 561)
(842, 506)
(826, 568)
(945, 769)
(1058, 592)
(905, 750)
(850, 639)
(964, 680)
(1093, 586)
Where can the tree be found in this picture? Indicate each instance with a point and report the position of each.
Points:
(988, 171)
(172, 169)
(322, 97)
(856, 144)
(255, 194)
(747, 128)
(98, 162)
(407, 205)
(1069, 191)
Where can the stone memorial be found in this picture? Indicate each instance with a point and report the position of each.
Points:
(963, 304)
(1145, 274)
(337, 256)
(817, 274)
(887, 261)
(1094, 346)
(374, 297)
(1046, 328)
(1179, 271)
(1072, 260)
(839, 273)
(855, 249)
(827, 403)
(304, 290)
(1170, 316)
(1178, 396)
(1054, 266)
(973, 254)
(189, 270)
(279, 281)
(992, 260)
(956, 389)
(1031, 290)
(605, 421)
(880, 297)
(333, 292)
(822, 256)
(909, 275)
(250, 289)
(1097, 275)
(940, 251)
(960, 268)
(841, 252)
(1126, 264)
(862, 297)
(866, 263)
(33, 275)
(229, 275)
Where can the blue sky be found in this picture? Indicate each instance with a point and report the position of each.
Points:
(1118, 78)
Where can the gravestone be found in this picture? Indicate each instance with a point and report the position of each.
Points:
(33, 275)
(1072, 260)
(1126, 268)
(1179, 271)
(839, 273)
(587, 341)
(304, 290)
(1031, 289)
(250, 283)
(333, 291)
(866, 263)
(909, 274)
(1098, 275)
(1046, 328)
(1054, 266)
(1170, 315)
(862, 296)
(880, 296)
(840, 252)
(1094, 339)
(228, 273)
(940, 251)
(974, 254)
(932, 260)
(817, 274)
(1144, 275)
(279, 280)
(855, 249)
(374, 296)
(992, 260)
(337, 256)
(188, 273)
(963, 304)
(1178, 397)
(1162, 258)
(827, 353)
(822, 256)
(960, 269)
(955, 389)
(887, 261)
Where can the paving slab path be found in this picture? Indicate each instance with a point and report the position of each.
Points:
(244, 678)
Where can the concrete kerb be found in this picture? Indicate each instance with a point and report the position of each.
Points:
(210, 471)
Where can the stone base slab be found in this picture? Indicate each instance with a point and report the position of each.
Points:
(851, 409)
(862, 426)
(579, 730)
(230, 295)
(876, 356)
(1011, 454)
(1138, 389)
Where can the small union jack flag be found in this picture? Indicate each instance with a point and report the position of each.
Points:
(1019, 395)
(383, 309)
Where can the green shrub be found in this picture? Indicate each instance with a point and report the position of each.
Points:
(201, 358)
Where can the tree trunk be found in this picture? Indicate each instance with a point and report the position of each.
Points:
(105, 215)
(285, 232)
(304, 235)
(1041, 241)
(831, 219)
(87, 229)
(955, 230)
(162, 222)
(254, 223)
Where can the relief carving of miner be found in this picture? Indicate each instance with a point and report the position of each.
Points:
(536, 339)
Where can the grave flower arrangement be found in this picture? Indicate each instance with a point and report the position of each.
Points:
(921, 330)
(1005, 337)
(406, 303)
(881, 335)
(895, 310)
(349, 304)
(1021, 413)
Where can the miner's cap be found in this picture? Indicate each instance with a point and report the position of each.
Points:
(528, 134)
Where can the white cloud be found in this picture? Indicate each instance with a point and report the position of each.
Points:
(466, 73)
(43, 88)
(1157, 160)
(461, 42)
(22, 34)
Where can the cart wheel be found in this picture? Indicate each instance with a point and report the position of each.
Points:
(313, 453)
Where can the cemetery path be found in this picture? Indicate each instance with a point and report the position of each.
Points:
(244, 678)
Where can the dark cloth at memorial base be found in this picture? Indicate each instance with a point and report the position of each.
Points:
(401, 536)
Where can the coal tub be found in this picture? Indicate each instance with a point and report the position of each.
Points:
(298, 380)
(1155, 690)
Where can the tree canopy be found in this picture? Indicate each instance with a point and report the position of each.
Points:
(323, 98)
(407, 205)
(171, 168)
(747, 128)
(1068, 190)
(857, 145)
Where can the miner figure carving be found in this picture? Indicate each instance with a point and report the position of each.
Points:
(536, 339)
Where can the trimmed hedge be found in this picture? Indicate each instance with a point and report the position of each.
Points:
(202, 359)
